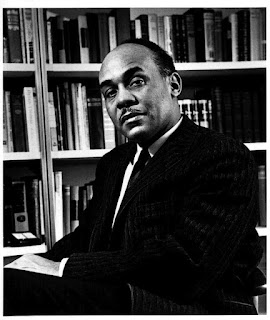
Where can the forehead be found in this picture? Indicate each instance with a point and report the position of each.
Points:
(125, 57)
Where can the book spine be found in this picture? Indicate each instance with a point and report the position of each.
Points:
(59, 125)
(122, 16)
(74, 207)
(244, 34)
(68, 116)
(217, 108)
(49, 41)
(41, 210)
(109, 130)
(9, 121)
(218, 35)
(18, 122)
(209, 35)
(203, 112)
(153, 28)
(184, 43)
(263, 33)
(112, 33)
(75, 116)
(83, 39)
(80, 113)
(262, 195)
(234, 34)
(60, 39)
(31, 119)
(19, 206)
(176, 34)
(161, 40)
(103, 35)
(168, 36)
(138, 29)
(66, 208)
(246, 111)
(199, 34)
(75, 41)
(144, 26)
(255, 34)
(256, 116)
(236, 114)
(13, 35)
(32, 198)
(58, 212)
(29, 41)
(93, 34)
(227, 39)
(22, 30)
(5, 130)
(191, 44)
(85, 117)
(52, 122)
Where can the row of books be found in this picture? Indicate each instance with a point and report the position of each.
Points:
(18, 41)
(87, 38)
(79, 119)
(69, 203)
(201, 35)
(20, 121)
(236, 113)
(23, 210)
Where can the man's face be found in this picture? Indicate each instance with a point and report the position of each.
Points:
(138, 98)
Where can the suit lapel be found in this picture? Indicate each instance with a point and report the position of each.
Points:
(172, 152)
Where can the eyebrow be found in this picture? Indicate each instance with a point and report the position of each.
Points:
(127, 74)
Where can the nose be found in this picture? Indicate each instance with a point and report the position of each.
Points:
(125, 98)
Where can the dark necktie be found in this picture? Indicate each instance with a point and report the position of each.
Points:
(139, 165)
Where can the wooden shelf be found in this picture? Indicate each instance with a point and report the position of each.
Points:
(17, 251)
(187, 70)
(79, 154)
(21, 70)
(19, 156)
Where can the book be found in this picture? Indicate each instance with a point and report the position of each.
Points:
(153, 28)
(168, 36)
(49, 41)
(22, 33)
(66, 208)
(93, 34)
(19, 206)
(227, 39)
(60, 40)
(68, 115)
(209, 34)
(5, 130)
(52, 122)
(95, 116)
(58, 205)
(237, 119)
(85, 117)
(75, 42)
(83, 39)
(244, 34)
(29, 37)
(160, 27)
(33, 208)
(7, 106)
(18, 122)
(41, 210)
(5, 39)
(122, 19)
(176, 37)
(112, 32)
(217, 108)
(246, 110)
(234, 36)
(109, 129)
(256, 116)
(103, 34)
(255, 34)
(58, 117)
(75, 119)
(31, 119)
(218, 35)
(74, 207)
(144, 26)
(67, 40)
(199, 33)
(190, 30)
(138, 29)
(262, 195)
(12, 20)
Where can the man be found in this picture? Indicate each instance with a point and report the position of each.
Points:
(179, 239)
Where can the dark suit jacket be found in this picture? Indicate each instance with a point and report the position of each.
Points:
(184, 238)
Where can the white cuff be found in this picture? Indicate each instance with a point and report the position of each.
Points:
(62, 266)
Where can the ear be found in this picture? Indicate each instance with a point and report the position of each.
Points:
(176, 84)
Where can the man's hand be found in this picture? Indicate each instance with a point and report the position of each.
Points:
(33, 263)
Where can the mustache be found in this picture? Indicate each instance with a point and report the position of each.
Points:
(128, 112)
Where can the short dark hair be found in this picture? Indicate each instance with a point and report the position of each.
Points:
(162, 59)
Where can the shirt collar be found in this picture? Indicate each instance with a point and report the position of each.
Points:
(158, 143)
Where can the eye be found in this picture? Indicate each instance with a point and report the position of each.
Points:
(110, 93)
(137, 82)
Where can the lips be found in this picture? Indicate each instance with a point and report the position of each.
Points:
(129, 115)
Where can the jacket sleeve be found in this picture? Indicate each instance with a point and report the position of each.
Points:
(217, 212)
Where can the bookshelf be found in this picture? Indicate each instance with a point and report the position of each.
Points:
(197, 77)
